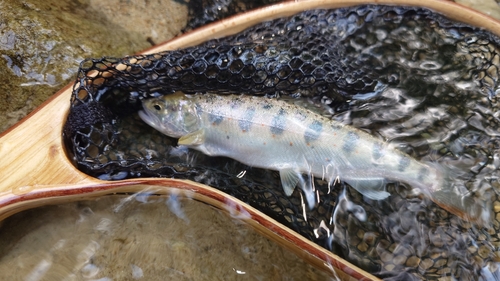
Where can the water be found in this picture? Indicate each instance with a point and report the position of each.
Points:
(141, 237)
(439, 112)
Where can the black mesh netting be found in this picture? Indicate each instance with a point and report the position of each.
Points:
(330, 57)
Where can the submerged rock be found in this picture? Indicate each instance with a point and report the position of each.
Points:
(42, 43)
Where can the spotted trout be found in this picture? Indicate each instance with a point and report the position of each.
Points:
(274, 134)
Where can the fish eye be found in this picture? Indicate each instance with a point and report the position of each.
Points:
(157, 107)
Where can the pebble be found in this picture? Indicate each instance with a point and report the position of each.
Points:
(484, 251)
(496, 256)
(386, 257)
(370, 238)
(435, 255)
(402, 250)
(392, 247)
(496, 207)
(399, 260)
(445, 278)
(440, 263)
(438, 243)
(472, 249)
(389, 267)
(363, 247)
(444, 271)
(413, 261)
(361, 234)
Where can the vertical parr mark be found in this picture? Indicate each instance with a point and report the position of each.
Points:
(377, 151)
(404, 163)
(350, 142)
(423, 172)
(267, 106)
(246, 122)
(198, 108)
(279, 122)
(336, 127)
(313, 131)
(215, 118)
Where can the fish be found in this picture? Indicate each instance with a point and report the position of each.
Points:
(273, 134)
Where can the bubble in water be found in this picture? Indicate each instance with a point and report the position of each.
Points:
(137, 272)
(89, 270)
(430, 65)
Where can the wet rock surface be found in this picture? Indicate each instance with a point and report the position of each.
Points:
(42, 43)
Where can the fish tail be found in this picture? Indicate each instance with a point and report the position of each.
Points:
(460, 202)
(464, 206)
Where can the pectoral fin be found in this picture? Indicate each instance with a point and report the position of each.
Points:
(289, 180)
(372, 188)
(194, 138)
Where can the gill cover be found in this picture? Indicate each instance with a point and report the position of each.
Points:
(174, 115)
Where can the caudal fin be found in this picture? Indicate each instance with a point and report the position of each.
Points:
(449, 193)
(465, 206)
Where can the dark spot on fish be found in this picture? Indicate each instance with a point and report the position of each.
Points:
(336, 127)
(422, 173)
(198, 107)
(215, 119)
(377, 151)
(299, 115)
(227, 137)
(404, 162)
(267, 106)
(313, 131)
(235, 103)
(246, 122)
(350, 142)
(279, 122)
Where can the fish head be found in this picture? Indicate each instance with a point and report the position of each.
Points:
(174, 115)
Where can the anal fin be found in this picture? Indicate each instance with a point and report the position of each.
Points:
(372, 188)
(289, 180)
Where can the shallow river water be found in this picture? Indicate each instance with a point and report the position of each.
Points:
(141, 237)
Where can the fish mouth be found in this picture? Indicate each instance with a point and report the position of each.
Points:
(147, 118)
(152, 120)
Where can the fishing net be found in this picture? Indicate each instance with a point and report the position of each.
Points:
(341, 60)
